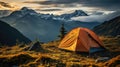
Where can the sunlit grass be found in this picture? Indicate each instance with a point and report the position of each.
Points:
(53, 56)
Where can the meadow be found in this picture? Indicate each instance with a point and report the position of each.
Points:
(49, 55)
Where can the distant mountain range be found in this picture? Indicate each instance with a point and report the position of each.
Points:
(109, 28)
(9, 35)
(74, 14)
(5, 13)
(44, 26)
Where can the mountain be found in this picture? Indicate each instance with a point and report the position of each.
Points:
(43, 26)
(36, 27)
(4, 13)
(9, 35)
(109, 28)
(74, 14)
(23, 11)
(18, 14)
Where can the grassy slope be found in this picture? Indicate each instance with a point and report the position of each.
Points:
(52, 56)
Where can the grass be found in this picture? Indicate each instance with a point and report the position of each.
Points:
(15, 59)
(112, 44)
(54, 57)
(114, 62)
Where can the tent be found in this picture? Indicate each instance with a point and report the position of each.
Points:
(81, 40)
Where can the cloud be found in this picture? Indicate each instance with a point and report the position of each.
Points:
(91, 18)
(97, 18)
(101, 12)
(48, 9)
(5, 5)
(96, 5)
(97, 13)
(49, 2)
(103, 4)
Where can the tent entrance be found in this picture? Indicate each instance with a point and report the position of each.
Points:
(95, 49)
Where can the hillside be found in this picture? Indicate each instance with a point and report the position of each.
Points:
(109, 28)
(9, 35)
(51, 56)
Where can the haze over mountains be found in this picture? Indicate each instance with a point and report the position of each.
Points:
(44, 26)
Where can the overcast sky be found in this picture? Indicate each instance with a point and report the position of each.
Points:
(63, 6)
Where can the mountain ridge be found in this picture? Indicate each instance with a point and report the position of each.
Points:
(9, 35)
(109, 28)
(4, 13)
(76, 13)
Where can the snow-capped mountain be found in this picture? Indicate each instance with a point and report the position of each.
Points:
(74, 14)
(4, 13)
(44, 26)
(18, 14)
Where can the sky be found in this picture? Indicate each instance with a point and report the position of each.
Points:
(63, 6)
(98, 10)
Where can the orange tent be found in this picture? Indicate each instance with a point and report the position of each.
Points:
(81, 40)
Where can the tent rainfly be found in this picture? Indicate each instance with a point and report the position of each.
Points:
(81, 40)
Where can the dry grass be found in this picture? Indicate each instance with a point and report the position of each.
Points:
(54, 57)
(114, 62)
(112, 44)
(15, 59)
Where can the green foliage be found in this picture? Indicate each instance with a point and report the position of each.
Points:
(62, 32)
